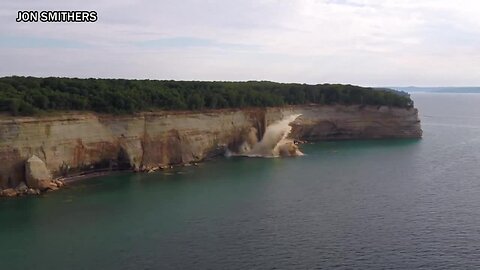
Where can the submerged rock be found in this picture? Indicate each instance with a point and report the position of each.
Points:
(37, 175)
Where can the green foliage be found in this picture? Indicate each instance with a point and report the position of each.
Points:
(30, 95)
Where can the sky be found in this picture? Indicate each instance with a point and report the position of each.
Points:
(363, 42)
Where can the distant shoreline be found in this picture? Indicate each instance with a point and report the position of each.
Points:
(454, 90)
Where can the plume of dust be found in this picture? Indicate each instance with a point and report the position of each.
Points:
(275, 141)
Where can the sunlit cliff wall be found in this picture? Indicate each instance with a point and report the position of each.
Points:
(78, 142)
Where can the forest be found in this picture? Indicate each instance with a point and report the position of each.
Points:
(31, 96)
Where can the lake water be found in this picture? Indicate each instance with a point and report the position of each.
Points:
(389, 204)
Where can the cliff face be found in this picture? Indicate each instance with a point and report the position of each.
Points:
(350, 122)
(80, 142)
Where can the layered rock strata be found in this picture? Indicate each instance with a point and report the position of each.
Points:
(83, 142)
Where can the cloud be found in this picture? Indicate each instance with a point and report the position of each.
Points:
(189, 42)
(15, 42)
(368, 42)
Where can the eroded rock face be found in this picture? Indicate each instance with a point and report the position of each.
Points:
(337, 122)
(159, 139)
(37, 175)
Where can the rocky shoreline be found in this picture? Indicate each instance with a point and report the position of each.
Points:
(52, 184)
(38, 179)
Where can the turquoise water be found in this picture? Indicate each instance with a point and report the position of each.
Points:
(389, 204)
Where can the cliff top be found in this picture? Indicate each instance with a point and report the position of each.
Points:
(52, 116)
(33, 96)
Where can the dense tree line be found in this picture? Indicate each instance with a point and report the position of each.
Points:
(29, 95)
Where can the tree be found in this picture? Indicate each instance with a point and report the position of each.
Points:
(29, 95)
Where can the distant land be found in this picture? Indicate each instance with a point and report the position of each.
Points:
(414, 89)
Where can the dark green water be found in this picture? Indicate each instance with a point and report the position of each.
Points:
(392, 204)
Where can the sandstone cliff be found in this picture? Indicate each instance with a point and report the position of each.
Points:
(79, 142)
(350, 122)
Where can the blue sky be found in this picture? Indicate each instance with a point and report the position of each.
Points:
(365, 42)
